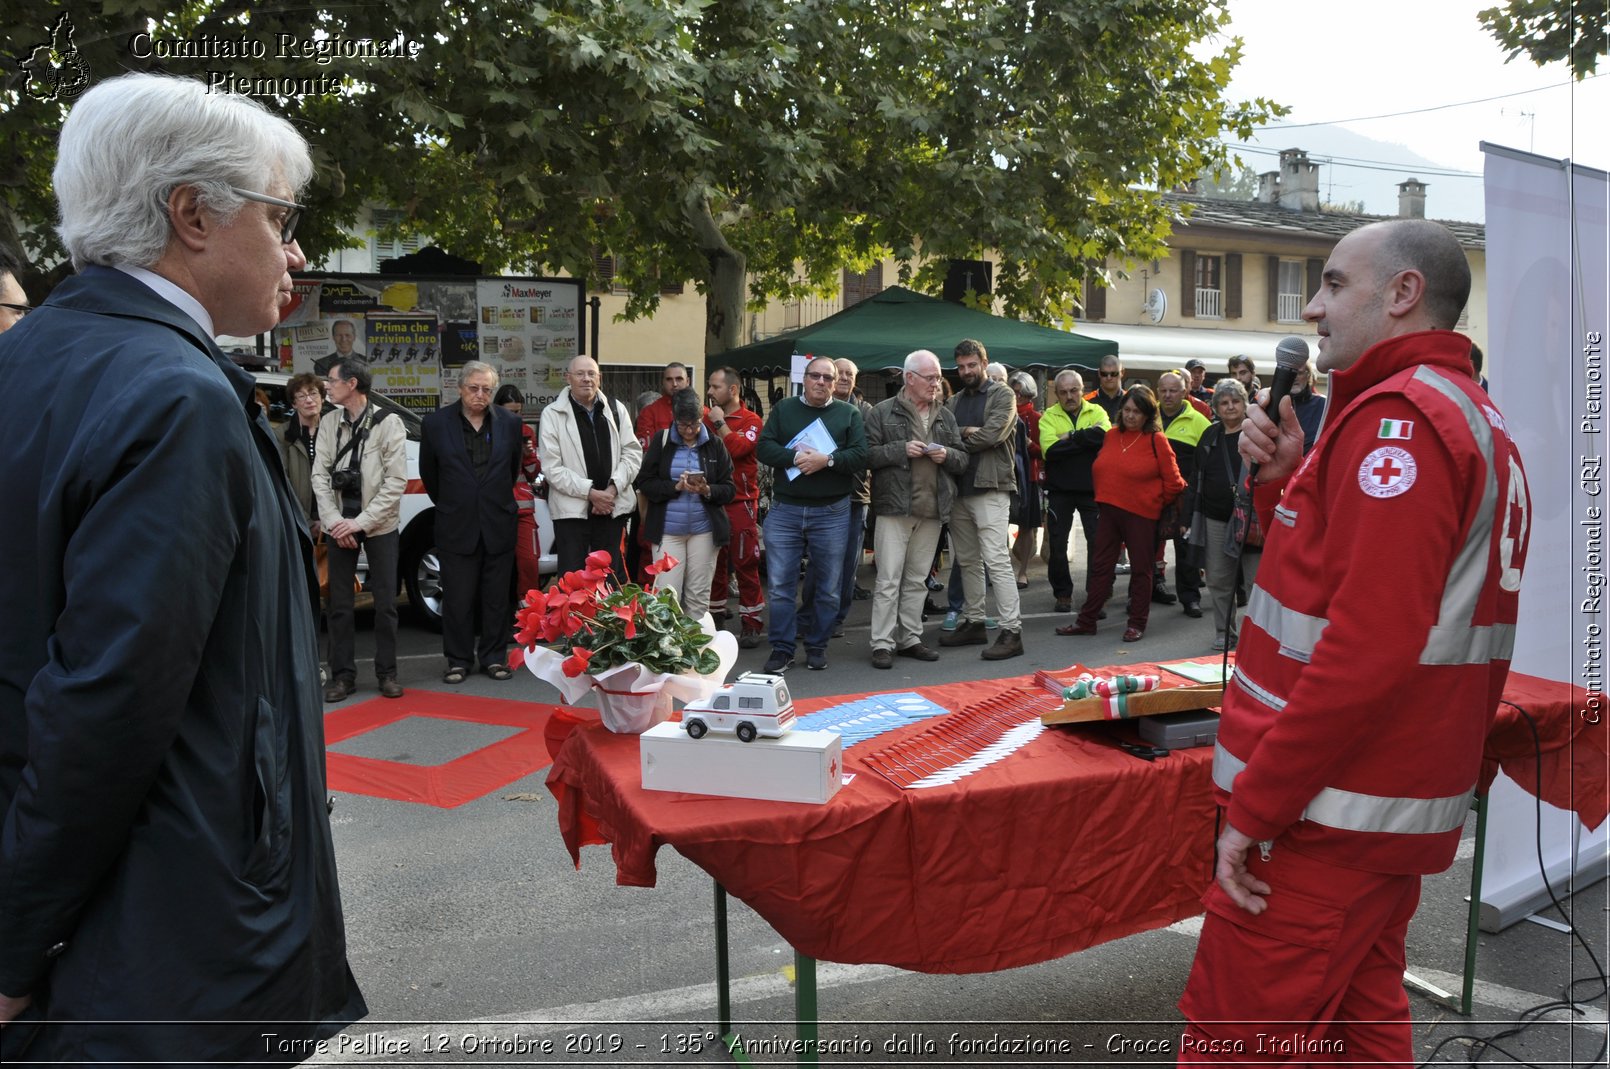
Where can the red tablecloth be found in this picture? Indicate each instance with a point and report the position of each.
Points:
(1069, 843)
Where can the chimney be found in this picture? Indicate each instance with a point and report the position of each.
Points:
(1269, 187)
(1412, 199)
(1299, 181)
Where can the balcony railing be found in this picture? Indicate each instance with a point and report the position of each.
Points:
(1290, 307)
(1209, 304)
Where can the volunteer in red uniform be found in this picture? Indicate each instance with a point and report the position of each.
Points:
(1376, 645)
(739, 430)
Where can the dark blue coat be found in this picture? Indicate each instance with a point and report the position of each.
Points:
(166, 849)
(470, 509)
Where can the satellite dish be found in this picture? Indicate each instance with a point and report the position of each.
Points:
(1156, 306)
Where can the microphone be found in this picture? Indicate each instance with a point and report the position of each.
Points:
(1291, 356)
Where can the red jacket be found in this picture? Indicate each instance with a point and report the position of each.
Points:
(1137, 472)
(745, 427)
(1378, 636)
(654, 418)
(1031, 419)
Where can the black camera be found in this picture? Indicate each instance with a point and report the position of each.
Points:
(346, 479)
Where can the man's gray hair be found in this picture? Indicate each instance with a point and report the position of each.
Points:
(130, 141)
(476, 367)
(1230, 386)
(918, 357)
(1070, 373)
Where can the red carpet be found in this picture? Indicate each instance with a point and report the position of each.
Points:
(446, 786)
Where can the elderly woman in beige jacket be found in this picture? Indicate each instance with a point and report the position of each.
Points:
(590, 455)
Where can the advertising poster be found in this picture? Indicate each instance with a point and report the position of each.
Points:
(405, 358)
(417, 333)
(529, 330)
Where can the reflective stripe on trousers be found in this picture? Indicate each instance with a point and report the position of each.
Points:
(1351, 811)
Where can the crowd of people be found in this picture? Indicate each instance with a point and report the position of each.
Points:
(983, 467)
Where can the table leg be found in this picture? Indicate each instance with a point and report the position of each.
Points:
(805, 1026)
(805, 1008)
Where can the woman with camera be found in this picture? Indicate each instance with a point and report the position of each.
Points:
(687, 478)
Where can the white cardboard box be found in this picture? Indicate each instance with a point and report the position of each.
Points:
(802, 766)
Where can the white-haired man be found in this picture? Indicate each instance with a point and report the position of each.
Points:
(916, 454)
(167, 856)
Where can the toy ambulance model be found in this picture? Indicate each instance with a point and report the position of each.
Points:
(755, 704)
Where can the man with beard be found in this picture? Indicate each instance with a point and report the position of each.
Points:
(986, 412)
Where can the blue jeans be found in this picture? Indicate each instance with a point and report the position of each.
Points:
(792, 531)
(854, 539)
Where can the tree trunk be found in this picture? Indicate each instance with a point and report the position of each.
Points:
(724, 294)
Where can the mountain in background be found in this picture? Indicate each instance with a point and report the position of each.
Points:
(1452, 197)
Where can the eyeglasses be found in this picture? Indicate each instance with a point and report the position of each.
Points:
(820, 376)
(292, 217)
(935, 377)
(467, 388)
(20, 309)
(1110, 374)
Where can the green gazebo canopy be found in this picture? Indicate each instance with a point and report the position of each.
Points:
(880, 331)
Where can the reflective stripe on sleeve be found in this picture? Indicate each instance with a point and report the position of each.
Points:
(1455, 639)
(1285, 515)
(1297, 632)
(1268, 698)
(1352, 811)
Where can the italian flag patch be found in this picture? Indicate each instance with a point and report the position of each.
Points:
(1397, 428)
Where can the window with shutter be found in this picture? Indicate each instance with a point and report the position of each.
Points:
(1095, 297)
(859, 285)
(1207, 298)
(1289, 299)
(390, 248)
(1232, 285)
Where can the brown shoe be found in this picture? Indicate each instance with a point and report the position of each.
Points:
(390, 688)
(919, 652)
(882, 659)
(1064, 605)
(1008, 644)
(338, 690)
(967, 633)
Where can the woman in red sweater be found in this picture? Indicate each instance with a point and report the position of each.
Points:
(1136, 477)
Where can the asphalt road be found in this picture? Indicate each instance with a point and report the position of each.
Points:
(476, 940)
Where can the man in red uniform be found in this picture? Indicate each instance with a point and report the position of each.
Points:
(657, 417)
(1376, 645)
(739, 429)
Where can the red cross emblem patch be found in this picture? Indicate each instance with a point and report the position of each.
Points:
(1387, 472)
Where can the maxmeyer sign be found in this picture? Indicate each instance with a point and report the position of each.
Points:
(417, 333)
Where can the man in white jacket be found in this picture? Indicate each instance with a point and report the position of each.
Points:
(590, 456)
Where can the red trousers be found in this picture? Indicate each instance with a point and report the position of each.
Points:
(743, 552)
(1315, 979)
(526, 549)
(1116, 528)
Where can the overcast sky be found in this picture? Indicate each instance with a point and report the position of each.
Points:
(1338, 63)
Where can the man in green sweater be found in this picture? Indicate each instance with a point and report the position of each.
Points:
(815, 444)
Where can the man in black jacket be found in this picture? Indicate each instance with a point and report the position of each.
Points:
(469, 458)
(167, 856)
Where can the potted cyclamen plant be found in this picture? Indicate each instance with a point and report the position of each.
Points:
(635, 646)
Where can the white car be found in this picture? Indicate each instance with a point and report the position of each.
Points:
(417, 565)
(754, 705)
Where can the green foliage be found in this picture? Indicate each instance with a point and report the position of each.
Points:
(667, 640)
(1551, 30)
(772, 141)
